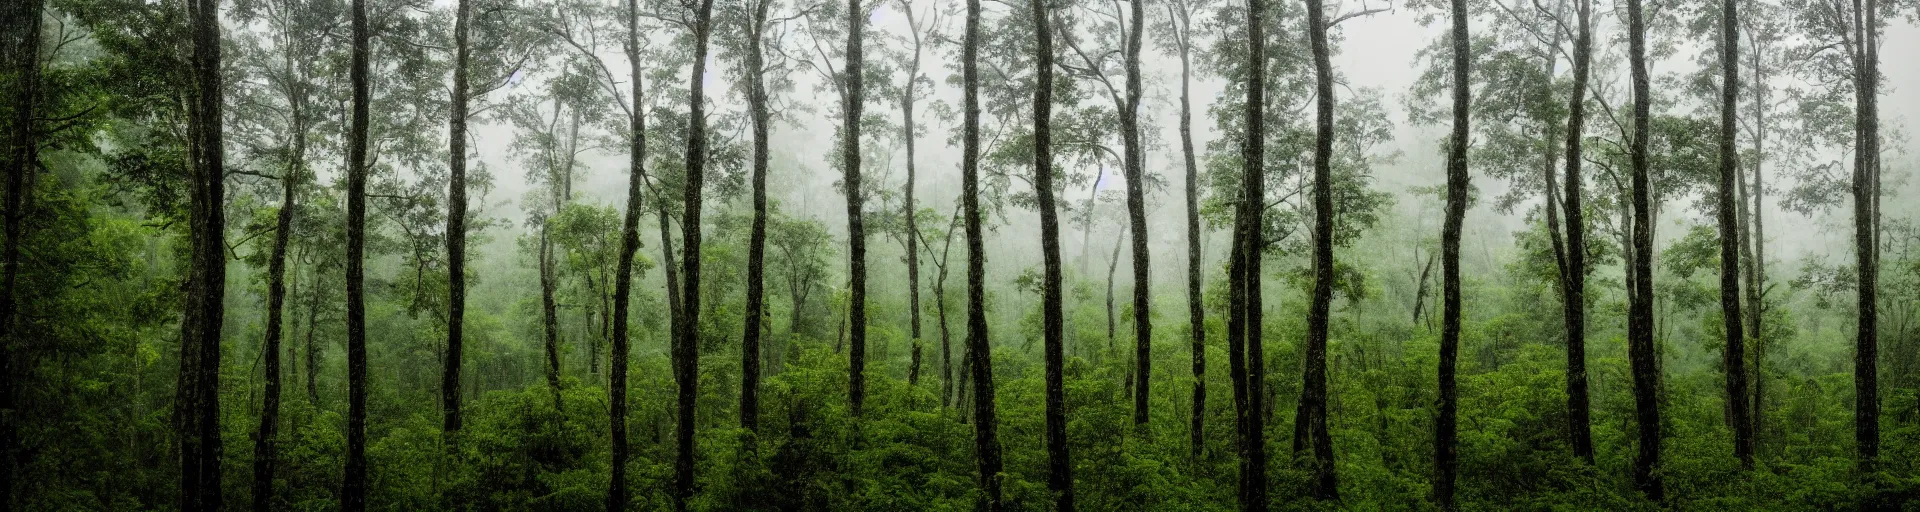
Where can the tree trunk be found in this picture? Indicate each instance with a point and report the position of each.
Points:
(913, 228)
(852, 98)
(1314, 401)
(1244, 332)
(550, 316)
(312, 350)
(986, 439)
(1137, 216)
(1574, 300)
(450, 401)
(686, 348)
(617, 493)
(1734, 360)
(266, 438)
(1446, 426)
(757, 235)
(198, 409)
(1196, 314)
(353, 492)
(1756, 246)
(1640, 346)
(1059, 467)
(22, 155)
(1866, 192)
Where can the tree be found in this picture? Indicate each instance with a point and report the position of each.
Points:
(1574, 300)
(1866, 233)
(450, 400)
(922, 28)
(1244, 327)
(686, 349)
(22, 58)
(1180, 33)
(1137, 213)
(1446, 456)
(1734, 355)
(852, 100)
(986, 438)
(1059, 467)
(755, 72)
(353, 492)
(1640, 347)
(197, 409)
(1314, 399)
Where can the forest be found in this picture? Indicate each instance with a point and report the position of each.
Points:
(560, 255)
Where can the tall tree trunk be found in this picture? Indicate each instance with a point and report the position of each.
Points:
(1734, 357)
(353, 491)
(940, 311)
(1243, 323)
(266, 438)
(1756, 244)
(450, 401)
(1059, 467)
(1196, 315)
(1575, 301)
(198, 409)
(852, 98)
(617, 493)
(757, 235)
(312, 351)
(22, 155)
(986, 423)
(1314, 401)
(550, 315)
(1446, 426)
(1640, 347)
(1866, 213)
(1137, 215)
(686, 347)
(1113, 268)
(913, 227)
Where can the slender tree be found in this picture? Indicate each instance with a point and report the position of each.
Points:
(755, 313)
(22, 53)
(1734, 360)
(1135, 167)
(908, 93)
(1866, 224)
(1640, 347)
(1446, 456)
(266, 437)
(353, 491)
(617, 492)
(1059, 467)
(1314, 391)
(450, 400)
(1578, 411)
(1244, 333)
(1180, 19)
(986, 423)
(852, 99)
(686, 346)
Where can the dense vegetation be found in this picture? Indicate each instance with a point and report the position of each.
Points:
(585, 254)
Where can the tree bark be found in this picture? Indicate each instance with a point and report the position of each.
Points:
(198, 409)
(1314, 401)
(1196, 314)
(266, 438)
(757, 235)
(22, 156)
(1137, 215)
(852, 98)
(450, 400)
(1641, 351)
(1866, 192)
(1446, 426)
(913, 228)
(618, 495)
(1244, 327)
(686, 349)
(1059, 466)
(1756, 244)
(353, 492)
(1575, 301)
(1734, 360)
(986, 439)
